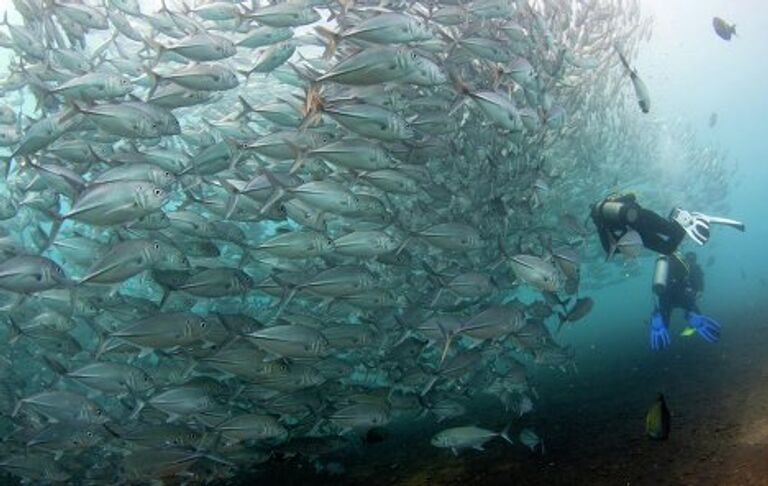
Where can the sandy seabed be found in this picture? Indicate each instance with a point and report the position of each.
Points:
(593, 425)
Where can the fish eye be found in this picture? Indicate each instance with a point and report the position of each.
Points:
(89, 434)
(156, 245)
(158, 192)
(203, 324)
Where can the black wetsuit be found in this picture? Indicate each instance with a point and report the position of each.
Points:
(658, 234)
(685, 280)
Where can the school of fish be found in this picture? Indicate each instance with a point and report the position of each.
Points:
(237, 230)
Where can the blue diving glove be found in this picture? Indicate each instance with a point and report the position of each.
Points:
(659, 333)
(708, 328)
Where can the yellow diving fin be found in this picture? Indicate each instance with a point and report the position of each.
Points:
(688, 331)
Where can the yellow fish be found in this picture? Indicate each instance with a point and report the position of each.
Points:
(657, 419)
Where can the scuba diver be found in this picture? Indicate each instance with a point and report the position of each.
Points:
(677, 282)
(615, 216)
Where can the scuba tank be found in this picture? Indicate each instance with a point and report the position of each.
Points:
(618, 213)
(660, 275)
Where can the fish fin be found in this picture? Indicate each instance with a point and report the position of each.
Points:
(17, 408)
(623, 59)
(15, 331)
(140, 404)
(403, 245)
(54, 365)
(455, 451)
(448, 336)
(429, 385)
(505, 433)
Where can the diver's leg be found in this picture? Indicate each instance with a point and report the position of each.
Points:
(658, 234)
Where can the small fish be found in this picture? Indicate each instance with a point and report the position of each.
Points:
(723, 29)
(641, 90)
(467, 437)
(658, 419)
(537, 272)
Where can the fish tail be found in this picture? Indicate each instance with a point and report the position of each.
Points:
(151, 44)
(332, 39)
(283, 304)
(313, 106)
(247, 107)
(103, 48)
(154, 81)
(279, 192)
(299, 157)
(563, 318)
(55, 227)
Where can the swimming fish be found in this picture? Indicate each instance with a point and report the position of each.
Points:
(658, 419)
(723, 29)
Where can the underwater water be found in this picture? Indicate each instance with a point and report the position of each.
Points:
(334, 242)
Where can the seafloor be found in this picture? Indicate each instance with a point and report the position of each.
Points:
(593, 425)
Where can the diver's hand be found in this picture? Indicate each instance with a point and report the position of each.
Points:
(659, 333)
(696, 225)
(707, 328)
